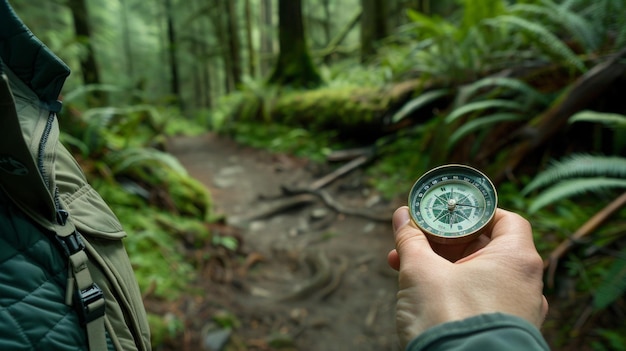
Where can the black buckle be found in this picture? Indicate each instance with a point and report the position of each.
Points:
(71, 244)
(83, 300)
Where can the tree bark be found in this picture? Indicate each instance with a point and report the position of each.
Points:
(88, 66)
(294, 67)
(126, 41)
(373, 26)
(267, 34)
(234, 46)
(171, 49)
(251, 52)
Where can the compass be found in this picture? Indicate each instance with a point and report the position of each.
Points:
(453, 203)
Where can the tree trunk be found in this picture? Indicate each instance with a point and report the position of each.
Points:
(88, 66)
(234, 47)
(294, 67)
(171, 49)
(251, 52)
(327, 27)
(373, 26)
(267, 35)
(126, 43)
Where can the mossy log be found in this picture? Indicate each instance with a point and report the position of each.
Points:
(356, 113)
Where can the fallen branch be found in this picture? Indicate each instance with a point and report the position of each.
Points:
(321, 279)
(358, 212)
(277, 206)
(341, 171)
(578, 97)
(594, 222)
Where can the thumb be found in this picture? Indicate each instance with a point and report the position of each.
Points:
(412, 246)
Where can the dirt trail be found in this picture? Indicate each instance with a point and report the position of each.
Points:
(307, 277)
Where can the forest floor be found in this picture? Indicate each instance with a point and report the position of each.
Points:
(305, 277)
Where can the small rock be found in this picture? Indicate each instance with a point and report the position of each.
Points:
(369, 227)
(372, 200)
(319, 213)
(215, 340)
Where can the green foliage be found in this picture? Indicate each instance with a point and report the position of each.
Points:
(164, 328)
(615, 339)
(479, 106)
(401, 162)
(285, 139)
(576, 175)
(481, 123)
(614, 284)
(564, 16)
(542, 37)
(156, 254)
(609, 119)
(577, 166)
(572, 187)
(490, 86)
(419, 102)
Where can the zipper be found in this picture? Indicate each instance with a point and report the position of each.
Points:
(61, 214)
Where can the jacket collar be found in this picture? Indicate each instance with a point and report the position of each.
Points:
(33, 62)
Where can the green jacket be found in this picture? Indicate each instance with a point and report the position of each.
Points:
(44, 196)
(485, 332)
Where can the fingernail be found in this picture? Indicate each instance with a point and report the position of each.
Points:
(400, 218)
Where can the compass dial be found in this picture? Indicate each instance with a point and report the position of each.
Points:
(452, 203)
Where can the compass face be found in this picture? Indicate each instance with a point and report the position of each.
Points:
(452, 203)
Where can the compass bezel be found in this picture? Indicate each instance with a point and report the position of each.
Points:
(446, 174)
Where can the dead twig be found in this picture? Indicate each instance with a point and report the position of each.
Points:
(358, 212)
(594, 222)
(277, 206)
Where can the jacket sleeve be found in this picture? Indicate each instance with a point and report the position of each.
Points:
(494, 331)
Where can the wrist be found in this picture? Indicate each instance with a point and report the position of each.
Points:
(449, 334)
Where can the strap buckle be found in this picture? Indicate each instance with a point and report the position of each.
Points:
(89, 303)
(71, 244)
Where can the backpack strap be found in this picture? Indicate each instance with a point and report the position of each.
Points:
(88, 298)
(22, 181)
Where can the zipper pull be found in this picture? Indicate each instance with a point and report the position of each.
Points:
(62, 216)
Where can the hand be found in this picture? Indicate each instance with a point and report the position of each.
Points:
(501, 271)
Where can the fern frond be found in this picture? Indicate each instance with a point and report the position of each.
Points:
(483, 105)
(431, 26)
(122, 160)
(564, 16)
(572, 187)
(513, 84)
(579, 165)
(418, 103)
(541, 36)
(614, 284)
(608, 119)
(481, 122)
(85, 89)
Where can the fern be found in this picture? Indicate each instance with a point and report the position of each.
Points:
(511, 84)
(579, 165)
(427, 26)
(122, 160)
(563, 15)
(608, 119)
(614, 284)
(483, 105)
(481, 122)
(419, 102)
(541, 36)
(476, 11)
(569, 188)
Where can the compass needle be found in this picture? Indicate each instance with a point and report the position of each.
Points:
(452, 203)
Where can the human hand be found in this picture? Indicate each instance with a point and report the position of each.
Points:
(501, 271)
